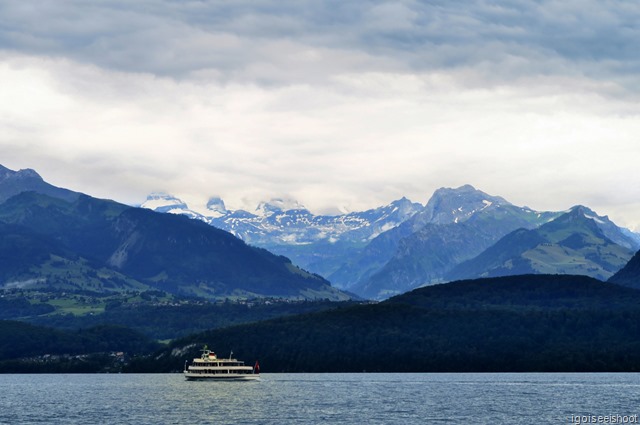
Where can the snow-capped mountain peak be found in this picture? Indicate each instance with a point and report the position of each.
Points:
(277, 205)
(163, 202)
(166, 203)
(216, 207)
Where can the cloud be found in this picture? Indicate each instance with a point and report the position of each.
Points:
(289, 42)
(356, 141)
(338, 104)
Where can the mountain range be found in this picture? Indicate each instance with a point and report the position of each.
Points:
(54, 238)
(458, 234)
(531, 311)
(318, 243)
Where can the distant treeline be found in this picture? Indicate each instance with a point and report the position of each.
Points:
(520, 323)
(29, 348)
(21, 307)
(163, 322)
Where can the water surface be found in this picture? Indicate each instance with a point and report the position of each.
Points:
(317, 398)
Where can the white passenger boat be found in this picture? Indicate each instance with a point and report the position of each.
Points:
(211, 368)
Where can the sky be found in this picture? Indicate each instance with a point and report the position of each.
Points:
(342, 105)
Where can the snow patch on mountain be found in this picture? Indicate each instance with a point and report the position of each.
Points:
(594, 218)
(385, 227)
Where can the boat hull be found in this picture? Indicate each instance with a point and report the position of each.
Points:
(220, 377)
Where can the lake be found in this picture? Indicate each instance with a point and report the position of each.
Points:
(367, 398)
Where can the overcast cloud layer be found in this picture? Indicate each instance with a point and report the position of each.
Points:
(343, 105)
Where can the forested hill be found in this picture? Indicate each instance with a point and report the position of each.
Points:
(517, 323)
(629, 275)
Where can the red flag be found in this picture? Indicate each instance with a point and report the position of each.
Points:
(256, 368)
